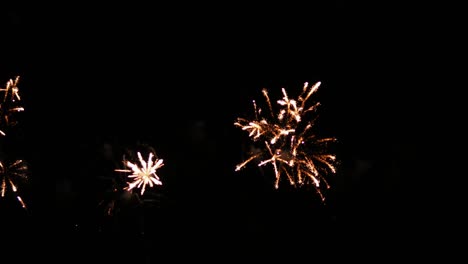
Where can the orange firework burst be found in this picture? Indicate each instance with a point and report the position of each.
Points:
(10, 173)
(145, 174)
(287, 142)
(9, 104)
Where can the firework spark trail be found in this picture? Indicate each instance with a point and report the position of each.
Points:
(9, 174)
(287, 142)
(7, 105)
(145, 174)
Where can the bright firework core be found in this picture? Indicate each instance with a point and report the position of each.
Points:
(145, 174)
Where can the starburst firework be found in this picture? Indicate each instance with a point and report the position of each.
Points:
(286, 141)
(9, 104)
(143, 175)
(10, 174)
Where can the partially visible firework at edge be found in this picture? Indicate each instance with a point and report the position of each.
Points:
(9, 104)
(287, 142)
(10, 174)
(143, 175)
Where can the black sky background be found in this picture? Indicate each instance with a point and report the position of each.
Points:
(177, 77)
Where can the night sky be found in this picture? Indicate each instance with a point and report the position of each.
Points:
(98, 80)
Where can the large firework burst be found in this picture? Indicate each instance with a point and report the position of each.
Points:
(286, 141)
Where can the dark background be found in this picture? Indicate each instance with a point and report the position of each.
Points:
(176, 78)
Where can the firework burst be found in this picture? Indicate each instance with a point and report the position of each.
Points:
(10, 175)
(285, 140)
(143, 175)
(9, 104)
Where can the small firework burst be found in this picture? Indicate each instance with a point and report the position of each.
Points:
(287, 142)
(143, 175)
(11, 174)
(9, 104)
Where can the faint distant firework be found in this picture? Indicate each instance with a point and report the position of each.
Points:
(285, 140)
(9, 104)
(11, 175)
(109, 198)
(143, 174)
